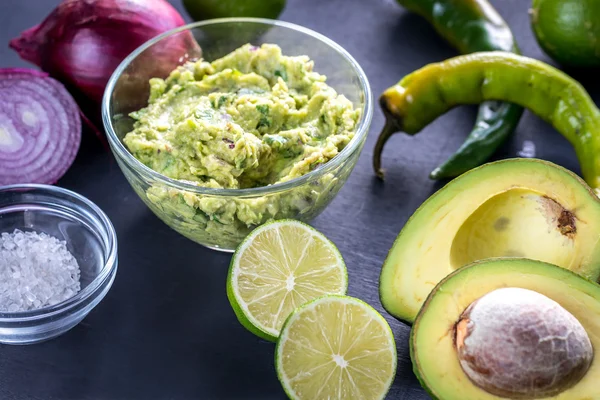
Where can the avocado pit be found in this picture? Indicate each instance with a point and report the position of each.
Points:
(520, 344)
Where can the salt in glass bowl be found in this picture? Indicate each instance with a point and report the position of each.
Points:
(194, 211)
(90, 238)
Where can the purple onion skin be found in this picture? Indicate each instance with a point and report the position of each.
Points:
(82, 42)
(40, 127)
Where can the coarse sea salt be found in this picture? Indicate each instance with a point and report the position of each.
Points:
(36, 270)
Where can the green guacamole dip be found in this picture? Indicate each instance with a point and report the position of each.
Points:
(250, 119)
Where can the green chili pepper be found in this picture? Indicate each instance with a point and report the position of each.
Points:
(422, 96)
(471, 26)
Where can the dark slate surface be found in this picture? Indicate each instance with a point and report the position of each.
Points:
(165, 330)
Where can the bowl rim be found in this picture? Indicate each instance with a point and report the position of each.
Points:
(108, 270)
(355, 143)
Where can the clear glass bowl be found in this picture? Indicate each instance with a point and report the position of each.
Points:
(221, 218)
(90, 237)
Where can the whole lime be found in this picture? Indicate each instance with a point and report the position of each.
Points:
(568, 30)
(207, 9)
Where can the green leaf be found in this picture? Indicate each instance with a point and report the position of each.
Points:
(289, 153)
(222, 100)
(282, 73)
(264, 122)
(263, 109)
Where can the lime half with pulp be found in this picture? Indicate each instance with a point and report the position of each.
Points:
(336, 347)
(277, 268)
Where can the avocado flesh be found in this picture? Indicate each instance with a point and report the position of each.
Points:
(513, 208)
(433, 353)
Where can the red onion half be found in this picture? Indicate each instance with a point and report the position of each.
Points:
(82, 42)
(40, 127)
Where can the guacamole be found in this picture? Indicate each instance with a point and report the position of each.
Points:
(250, 119)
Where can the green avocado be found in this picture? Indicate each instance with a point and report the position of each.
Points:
(509, 329)
(568, 30)
(512, 208)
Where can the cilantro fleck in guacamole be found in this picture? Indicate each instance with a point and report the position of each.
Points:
(250, 119)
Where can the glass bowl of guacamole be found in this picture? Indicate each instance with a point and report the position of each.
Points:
(222, 125)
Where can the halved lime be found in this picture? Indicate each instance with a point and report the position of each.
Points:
(336, 347)
(280, 266)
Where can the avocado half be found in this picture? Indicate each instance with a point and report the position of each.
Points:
(436, 338)
(525, 208)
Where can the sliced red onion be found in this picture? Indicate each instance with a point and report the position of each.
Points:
(40, 127)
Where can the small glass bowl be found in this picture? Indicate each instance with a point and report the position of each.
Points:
(221, 218)
(89, 236)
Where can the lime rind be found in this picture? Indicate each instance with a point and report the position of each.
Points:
(241, 316)
(313, 303)
(242, 313)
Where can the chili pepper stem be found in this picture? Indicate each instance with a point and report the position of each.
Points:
(388, 130)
